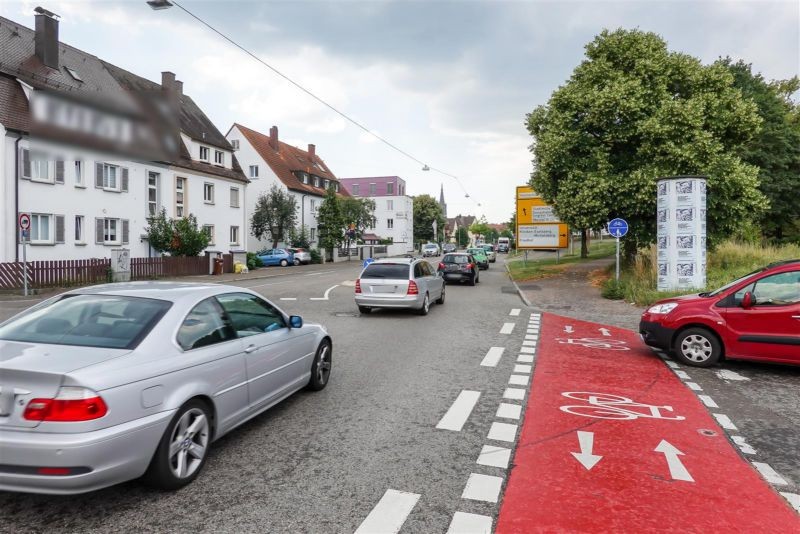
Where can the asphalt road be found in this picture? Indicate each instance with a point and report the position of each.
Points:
(320, 462)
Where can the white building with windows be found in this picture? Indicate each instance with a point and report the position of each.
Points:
(394, 210)
(67, 118)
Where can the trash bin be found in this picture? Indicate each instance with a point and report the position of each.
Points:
(218, 265)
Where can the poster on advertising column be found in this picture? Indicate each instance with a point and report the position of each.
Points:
(681, 232)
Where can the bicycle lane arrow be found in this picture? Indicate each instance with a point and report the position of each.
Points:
(661, 468)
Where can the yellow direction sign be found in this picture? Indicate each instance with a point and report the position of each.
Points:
(538, 227)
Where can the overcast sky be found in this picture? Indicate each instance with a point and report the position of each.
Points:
(449, 82)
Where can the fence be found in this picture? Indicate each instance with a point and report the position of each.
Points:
(59, 273)
(163, 266)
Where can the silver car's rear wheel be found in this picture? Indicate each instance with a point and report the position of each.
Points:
(321, 366)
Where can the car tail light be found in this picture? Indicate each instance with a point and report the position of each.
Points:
(358, 287)
(470, 266)
(441, 265)
(54, 471)
(71, 404)
(412, 288)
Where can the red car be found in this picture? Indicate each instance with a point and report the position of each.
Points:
(756, 317)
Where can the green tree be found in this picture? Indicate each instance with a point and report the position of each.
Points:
(359, 212)
(507, 233)
(462, 237)
(300, 239)
(631, 112)
(160, 231)
(511, 225)
(426, 211)
(491, 235)
(479, 228)
(177, 237)
(775, 150)
(275, 215)
(330, 221)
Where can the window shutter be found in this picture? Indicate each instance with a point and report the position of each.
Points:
(125, 231)
(59, 228)
(98, 176)
(25, 168)
(59, 171)
(98, 231)
(124, 179)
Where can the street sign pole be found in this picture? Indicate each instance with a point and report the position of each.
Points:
(617, 259)
(24, 223)
(617, 228)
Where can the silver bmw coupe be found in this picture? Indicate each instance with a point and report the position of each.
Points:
(109, 383)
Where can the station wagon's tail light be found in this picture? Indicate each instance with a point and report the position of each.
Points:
(358, 287)
(470, 266)
(71, 404)
(412, 288)
(441, 266)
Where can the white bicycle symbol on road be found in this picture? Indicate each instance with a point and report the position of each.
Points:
(608, 406)
(595, 343)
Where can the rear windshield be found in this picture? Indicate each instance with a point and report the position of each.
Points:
(431, 246)
(476, 251)
(386, 270)
(455, 258)
(103, 321)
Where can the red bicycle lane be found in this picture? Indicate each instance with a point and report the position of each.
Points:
(613, 441)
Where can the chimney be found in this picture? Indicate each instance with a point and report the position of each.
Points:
(46, 39)
(273, 137)
(178, 87)
(311, 151)
(167, 81)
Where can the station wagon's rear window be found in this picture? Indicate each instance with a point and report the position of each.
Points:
(104, 321)
(386, 270)
(455, 258)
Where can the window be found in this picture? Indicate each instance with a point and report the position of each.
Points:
(372, 190)
(110, 176)
(208, 193)
(219, 157)
(234, 235)
(390, 223)
(777, 290)
(355, 190)
(79, 229)
(316, 181)
(235, 144)
(313, 234)
(204, 325)
(110, 235)
(390, 205)
(394, 271)
(40, 167)
(209, 230)
(79, 174)
(204, 153)
(253, 172)
(111, 231)
(313, 204)
(250, 315)
(305, 178)
(41, 228)
(390, 188)
(180, 196)
(326, 183)
(336, 186)
(234, 197)
(152, 194)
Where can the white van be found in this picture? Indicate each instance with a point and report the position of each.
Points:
(503, 244)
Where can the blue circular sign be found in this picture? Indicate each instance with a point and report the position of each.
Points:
(618, 227)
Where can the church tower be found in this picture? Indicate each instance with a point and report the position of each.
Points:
(442, 203)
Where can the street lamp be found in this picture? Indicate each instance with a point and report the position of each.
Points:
(425, 168)
(159, 4)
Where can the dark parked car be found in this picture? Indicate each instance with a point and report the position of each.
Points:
(459, 267)
(448, 247)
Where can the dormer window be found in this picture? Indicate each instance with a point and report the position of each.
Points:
(204, 153)
(219, 157)
(316, 181)
(72, 72)
(326, 183)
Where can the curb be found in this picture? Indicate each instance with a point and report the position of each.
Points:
(519, 291)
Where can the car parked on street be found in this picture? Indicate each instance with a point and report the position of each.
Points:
(276, 256)
(480, 257)
(108, 383)
(756, 317)
(490, 253)
(430, 249)
(301, 256)
(449, 247)
(459, 267)
(399, 283)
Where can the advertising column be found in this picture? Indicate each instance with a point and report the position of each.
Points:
(681, 232)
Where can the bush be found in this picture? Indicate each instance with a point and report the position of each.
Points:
(253, 261)
(612, 290)
(316, 257)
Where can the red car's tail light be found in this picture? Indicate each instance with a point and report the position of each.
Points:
(412, 288)
(72, 404)
(441, 266)
(358, 287)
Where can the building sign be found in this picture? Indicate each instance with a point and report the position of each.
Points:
(681, 232)
(538, 226)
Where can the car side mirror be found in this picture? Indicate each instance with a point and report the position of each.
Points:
(748, 300)
(295, 321)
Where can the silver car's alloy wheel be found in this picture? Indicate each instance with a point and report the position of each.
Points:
(696, 348)
(324, 364)
(188, 443)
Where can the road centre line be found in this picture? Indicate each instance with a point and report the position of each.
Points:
(509, 411)
(460, 411)
(390, 513)
(494, 456)
(482, 488)
(463, 523)
(724, 421)
(492, 356)
(502, 432)
(327, 293)
(507, 328)
(518, 380)
(314, 274)
(693, 386)
(769, 474)
(793, 498)
(288, 298)
(514, 394)
(522, 369)
(514, 312)
(708, 401)
(525, 358)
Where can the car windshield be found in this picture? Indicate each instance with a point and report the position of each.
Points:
(386, 270)
(455, 258)
(731, 284)
(103, 321)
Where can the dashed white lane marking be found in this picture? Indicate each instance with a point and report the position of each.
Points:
(514, 394)
(482, 488)
(327, 293)
(494, 456)
(528, 350)
(693, 386)
(314, 274)
(724, 374)
(663, 355)
(288, 298)
(508, 411)
(525, 358)
(673, 365)
(464, 523)
(507, 328)
(529, 343)
(518, 380)
(460, 411)
(683, 374)
(724, 421)
(708, 401)
(389, 514)
(769, 474)
(492, 357)
(532, 337)
(793, 498)
(514, 312)
(522, 368)
(740, 442)
(502, 432)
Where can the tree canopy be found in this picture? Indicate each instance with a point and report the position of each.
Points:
(359, 212)
(275, 215)
(634, 111)
(330, 221)
(480, 227)
(178, 237)
(427, 210)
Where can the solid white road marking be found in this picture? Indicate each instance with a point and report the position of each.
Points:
(314, 274)
(482, 488)
(518, 380)
(507, 328)
(568, 329)
(502, 432)
(508, 411)
(676, 469)
(724, 374)
(740, 442)
(724, 421)
(514, 394)
(605, 331)
(492, 357)
(494, 456)
(708, 401)
(288, 298)
(389, 514)
(683, 374)
(514, 312)
(693, 386)
(793, 498)
(769, 474)
(460, 411)
(464, 523)
(327, 293)
(525, 358)
(673, 365)
(528, 350)
(585, 457)
(522, 368)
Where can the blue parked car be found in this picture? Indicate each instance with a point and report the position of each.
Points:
(277, 256)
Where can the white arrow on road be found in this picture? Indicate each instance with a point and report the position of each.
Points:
(604, 331)
(568, 329)
(585, 457)
(676, 469)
